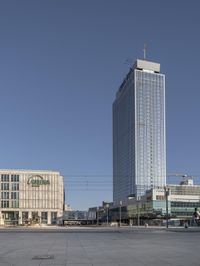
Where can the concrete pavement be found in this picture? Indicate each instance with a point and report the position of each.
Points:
(99, 246)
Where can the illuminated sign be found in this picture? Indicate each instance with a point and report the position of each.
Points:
(37, 180)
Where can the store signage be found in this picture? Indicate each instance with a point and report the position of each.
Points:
(37, 180)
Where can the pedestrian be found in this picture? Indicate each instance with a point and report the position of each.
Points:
(196, 216)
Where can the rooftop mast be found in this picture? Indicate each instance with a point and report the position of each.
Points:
(145, 51)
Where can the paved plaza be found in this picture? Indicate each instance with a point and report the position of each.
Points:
(99, 247)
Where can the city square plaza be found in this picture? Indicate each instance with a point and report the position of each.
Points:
(99, 246)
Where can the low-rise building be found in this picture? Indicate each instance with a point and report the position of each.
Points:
(174, 201)
(30, 196)
(180, 200)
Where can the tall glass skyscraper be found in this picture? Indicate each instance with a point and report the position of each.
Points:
(139, 148)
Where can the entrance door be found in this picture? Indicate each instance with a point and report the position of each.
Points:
(53, 217)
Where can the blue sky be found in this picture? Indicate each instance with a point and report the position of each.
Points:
(61, 63)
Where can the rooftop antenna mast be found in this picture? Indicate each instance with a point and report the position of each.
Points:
(145, 51)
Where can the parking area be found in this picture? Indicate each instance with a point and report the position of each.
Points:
(97, 247)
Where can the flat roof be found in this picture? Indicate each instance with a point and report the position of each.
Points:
(28, 171)
(147, 65)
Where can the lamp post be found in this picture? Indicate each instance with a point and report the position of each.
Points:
(107, 206)
(138, 214)
(131, 197)
(120, 212)
(97, 216)
(167, 210)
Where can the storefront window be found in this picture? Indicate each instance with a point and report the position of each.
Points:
(24, 217)
(53, 217)
(44, 217)
(35, 217)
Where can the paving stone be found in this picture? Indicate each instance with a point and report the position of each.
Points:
(96, 248)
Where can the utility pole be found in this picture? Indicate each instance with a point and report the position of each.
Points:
(97, 216)
(167, 209)
(138, 214)
(120, 212)
(107, 216)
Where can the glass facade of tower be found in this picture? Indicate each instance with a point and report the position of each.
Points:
(149, 130)
(139, 153)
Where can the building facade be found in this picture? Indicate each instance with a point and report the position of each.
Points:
(182, 200)
(139, 146)
(152, 207)
(31, 196)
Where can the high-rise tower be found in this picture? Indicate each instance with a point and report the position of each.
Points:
(139, 148)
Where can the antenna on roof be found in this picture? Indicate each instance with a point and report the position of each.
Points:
(145, 51)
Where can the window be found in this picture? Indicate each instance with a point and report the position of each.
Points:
(185, 204)
(44, 217)
(35, 216)
(4, 204)
(24, 216)
(14, 178)
(4, 186)
(53, 217)
(15, 204)
(4, 195)
(4, 178)
(14, 186)
(14, 195)
(160, 197)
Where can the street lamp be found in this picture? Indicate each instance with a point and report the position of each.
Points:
(120, 212)
(107, 206)
(138, 214)
(131, 197)
(97, 216)
(167, 210)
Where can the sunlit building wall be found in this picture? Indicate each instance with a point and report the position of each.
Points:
(139, 145)
(31, 196)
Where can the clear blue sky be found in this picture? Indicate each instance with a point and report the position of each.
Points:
(61, 63)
